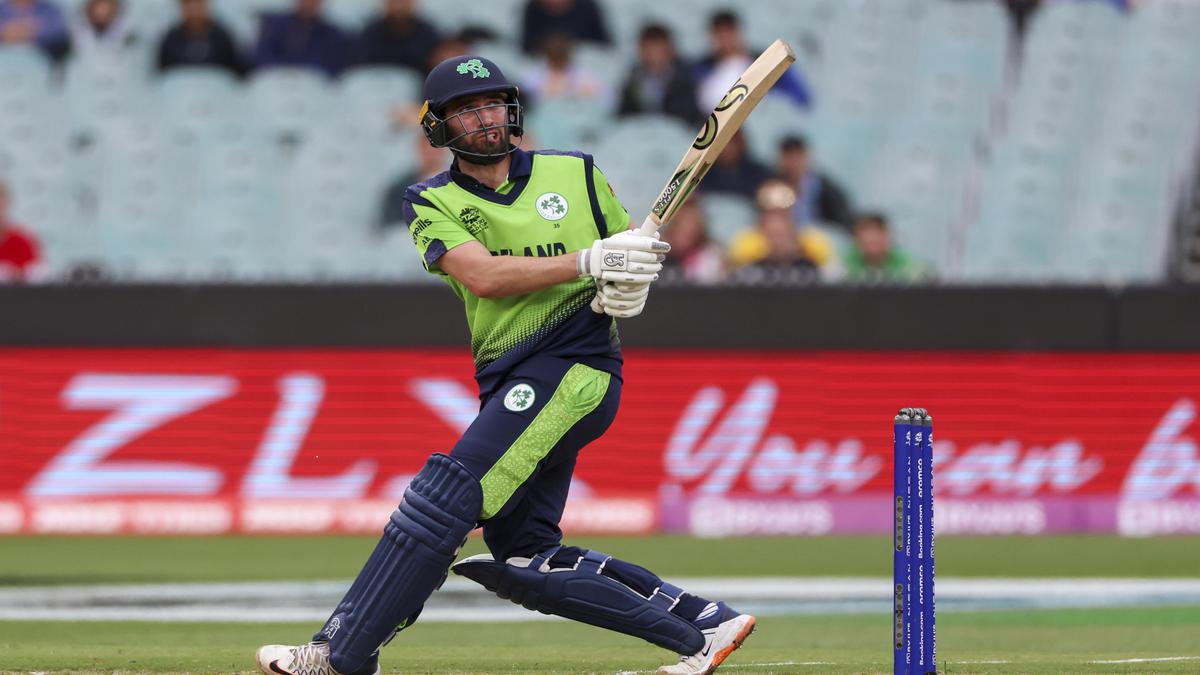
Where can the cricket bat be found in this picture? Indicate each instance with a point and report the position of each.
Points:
(722, 123)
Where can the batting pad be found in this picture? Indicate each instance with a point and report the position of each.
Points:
(440, 507)
(584, 594)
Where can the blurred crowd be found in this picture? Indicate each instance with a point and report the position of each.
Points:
(804, 225)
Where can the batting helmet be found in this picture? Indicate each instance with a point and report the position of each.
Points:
(465, 76)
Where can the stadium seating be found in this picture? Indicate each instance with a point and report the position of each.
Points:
(639, 154)
(1057, 165)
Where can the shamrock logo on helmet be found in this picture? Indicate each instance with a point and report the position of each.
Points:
(475, 67)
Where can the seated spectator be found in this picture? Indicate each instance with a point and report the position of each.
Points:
(398, 37)
(1020, 12)
(103, 32)
(735, 170)
(302, 38)
(819, 198)
(775, 251)
(659, 82)
(19, 250)
(557, 77)
(875, 259)
(200, 40)
(695, 258)
(581, 19)
(729, 58)
(450, 46)
(432, 161)
(39, 23)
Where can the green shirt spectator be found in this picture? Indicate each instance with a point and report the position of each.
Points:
(875, 259)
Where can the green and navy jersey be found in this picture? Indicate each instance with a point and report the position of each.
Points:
(552, 203)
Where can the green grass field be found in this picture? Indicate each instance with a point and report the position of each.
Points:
(86, 560)
(1046, 641)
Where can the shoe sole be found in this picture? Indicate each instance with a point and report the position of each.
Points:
(738, 639)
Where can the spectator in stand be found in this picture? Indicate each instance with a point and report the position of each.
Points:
(1020, 12)
(819, 198)
(775, 250)
(304, 38)
(695, 258)
(875, 259)
(39, 23)
(19, 250)
(398, 37)
(659, 82)
(200, 40)
(728, 60)
(735, 170)
(103, 32)
(557, 77)
(450, 46)
(581, 19)
(431, 161)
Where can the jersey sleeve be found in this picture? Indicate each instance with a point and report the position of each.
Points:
(433, 232)
(616, 218)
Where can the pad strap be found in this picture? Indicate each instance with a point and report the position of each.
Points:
(584, 593)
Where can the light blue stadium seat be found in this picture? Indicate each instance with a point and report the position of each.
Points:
(845, 147)
(604, 63)
(102, 93)
(241, 17)
(773, 119)
(501, 16)
(237, 231)
(389, 256)
(508, 55)
(367, 97)
(289, 102)
(920, 181)
(198, 92)
(24, 73)
(567, 124)
(727, 214)
(639, 155)
(352, 15)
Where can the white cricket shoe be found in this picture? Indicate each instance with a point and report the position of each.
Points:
(309, 659)
(719, 643)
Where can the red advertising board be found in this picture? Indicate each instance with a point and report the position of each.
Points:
(709, 442)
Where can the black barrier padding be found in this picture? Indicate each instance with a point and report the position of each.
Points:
(936, 317)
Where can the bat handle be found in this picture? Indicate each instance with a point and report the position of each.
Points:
(649, 226)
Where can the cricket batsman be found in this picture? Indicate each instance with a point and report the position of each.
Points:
(527, 240)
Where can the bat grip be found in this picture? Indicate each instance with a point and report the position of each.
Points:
(647, 229)
(649, 226)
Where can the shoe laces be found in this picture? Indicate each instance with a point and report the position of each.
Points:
(312, 659)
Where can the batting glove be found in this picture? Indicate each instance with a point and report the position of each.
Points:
(625, 257)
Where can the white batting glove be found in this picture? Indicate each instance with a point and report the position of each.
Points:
(625, 257)
(622, 300)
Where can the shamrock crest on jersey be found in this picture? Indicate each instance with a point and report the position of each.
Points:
(552, 206)
(475, 67)
(519, 398)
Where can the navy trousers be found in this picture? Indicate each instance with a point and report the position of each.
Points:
(523, 447)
